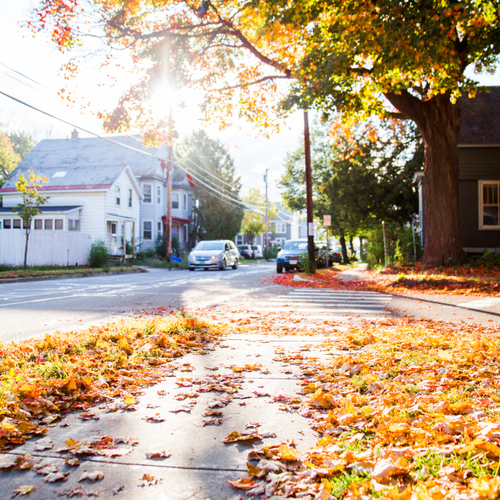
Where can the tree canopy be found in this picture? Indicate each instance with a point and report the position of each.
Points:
(254, 222)
(362, 175)
(357, 57)
(14, 147)
(218, 210)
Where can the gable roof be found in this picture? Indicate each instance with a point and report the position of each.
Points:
(93, 151)
(75, 177)
(480, 118)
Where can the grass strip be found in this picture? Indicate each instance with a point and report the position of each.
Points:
(42, 379)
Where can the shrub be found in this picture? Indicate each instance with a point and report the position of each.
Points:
(99, 254)
(273, 252)
(400, 245)
(161, 246)
(490, 259)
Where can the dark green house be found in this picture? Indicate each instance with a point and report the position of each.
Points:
(479, 172)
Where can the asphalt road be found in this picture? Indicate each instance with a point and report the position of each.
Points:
(35, 308)
(39, 307)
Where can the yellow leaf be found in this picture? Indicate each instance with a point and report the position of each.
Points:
(287, 453)
(71, 383)
(445, 355)
(486, 488)
(71, 442)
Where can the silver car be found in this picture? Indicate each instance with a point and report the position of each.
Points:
(214, 254)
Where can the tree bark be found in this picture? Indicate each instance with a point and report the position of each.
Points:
(26, 249)
(438, 120)
(345, 258)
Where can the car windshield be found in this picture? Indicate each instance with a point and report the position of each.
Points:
(300, 246)
(210, 245)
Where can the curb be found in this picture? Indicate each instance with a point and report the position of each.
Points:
(89, 274)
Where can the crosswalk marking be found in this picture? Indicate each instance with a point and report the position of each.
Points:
(329, 301)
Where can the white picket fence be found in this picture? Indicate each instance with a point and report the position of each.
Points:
(57, 248)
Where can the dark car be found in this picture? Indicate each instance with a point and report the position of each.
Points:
(291, 255)
(214, 254)
(246, 251)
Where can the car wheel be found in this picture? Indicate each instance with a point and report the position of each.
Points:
(235, 265)
(223, 265)
(279, 269)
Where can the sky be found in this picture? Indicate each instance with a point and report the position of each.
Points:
(30, 71)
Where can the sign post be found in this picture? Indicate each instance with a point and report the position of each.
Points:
(327, 222)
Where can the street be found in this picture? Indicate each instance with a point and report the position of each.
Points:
(35, 308)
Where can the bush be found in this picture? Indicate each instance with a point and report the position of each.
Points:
(99, 254)
(161, 246)
(490, 259)
(272, 252)
(400, 246)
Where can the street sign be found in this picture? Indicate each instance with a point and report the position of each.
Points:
(327, 220)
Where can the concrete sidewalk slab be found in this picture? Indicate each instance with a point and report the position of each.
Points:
(199, 463)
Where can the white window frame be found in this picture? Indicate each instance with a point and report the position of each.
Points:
(185, 198)
(280, 228)
(150, 222)
(481, 185)
(175, 199)
(148, 196)
(130, 196)
(158, 194)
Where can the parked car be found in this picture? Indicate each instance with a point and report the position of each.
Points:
(295, 251)
(257, 251)
(213, 254)
(291, 255)
(246, 251)
(335, 255)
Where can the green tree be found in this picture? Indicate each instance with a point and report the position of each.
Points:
(9, 158)
(361, 176)
(22, 142)
(30, 206)
(355, 57)
(254, 223)
(218, 210)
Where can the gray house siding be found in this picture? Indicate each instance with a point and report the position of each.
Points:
(476, 164)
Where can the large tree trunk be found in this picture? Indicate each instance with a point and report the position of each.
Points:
(438, 120)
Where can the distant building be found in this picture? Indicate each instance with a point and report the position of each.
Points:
(112, 189)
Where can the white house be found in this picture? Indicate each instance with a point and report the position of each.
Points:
(112, 189)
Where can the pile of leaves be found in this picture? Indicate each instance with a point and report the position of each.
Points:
(406, 410)
(450, 281)
(42, 379)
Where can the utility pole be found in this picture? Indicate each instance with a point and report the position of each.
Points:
(168, 226)
(309, 203)
(267, 217)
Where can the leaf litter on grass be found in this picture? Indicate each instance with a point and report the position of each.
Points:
(405, 409)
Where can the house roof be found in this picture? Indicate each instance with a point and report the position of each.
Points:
(283, 215)
(480, 118)
(88, 156)
(44, 209)
(63, 178)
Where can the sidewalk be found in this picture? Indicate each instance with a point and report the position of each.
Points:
(199, 464)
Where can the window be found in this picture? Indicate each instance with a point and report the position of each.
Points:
(490, 205)
(147, 192)
(159, 227)
(17, 223)
(48, 224)
(130, 197)
(25, 225)
(117, 191)
(6, 224)
(59, 225)
(0, 224)
(175, 200)
(185, 202)
(113, 229)
(158, 194)
(147, 232)
(280, 227)
(38, 223)
(73, 225)
(59, 174)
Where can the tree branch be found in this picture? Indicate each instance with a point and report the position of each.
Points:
(248, 84)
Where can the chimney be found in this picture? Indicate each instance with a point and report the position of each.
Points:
(74, 134)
